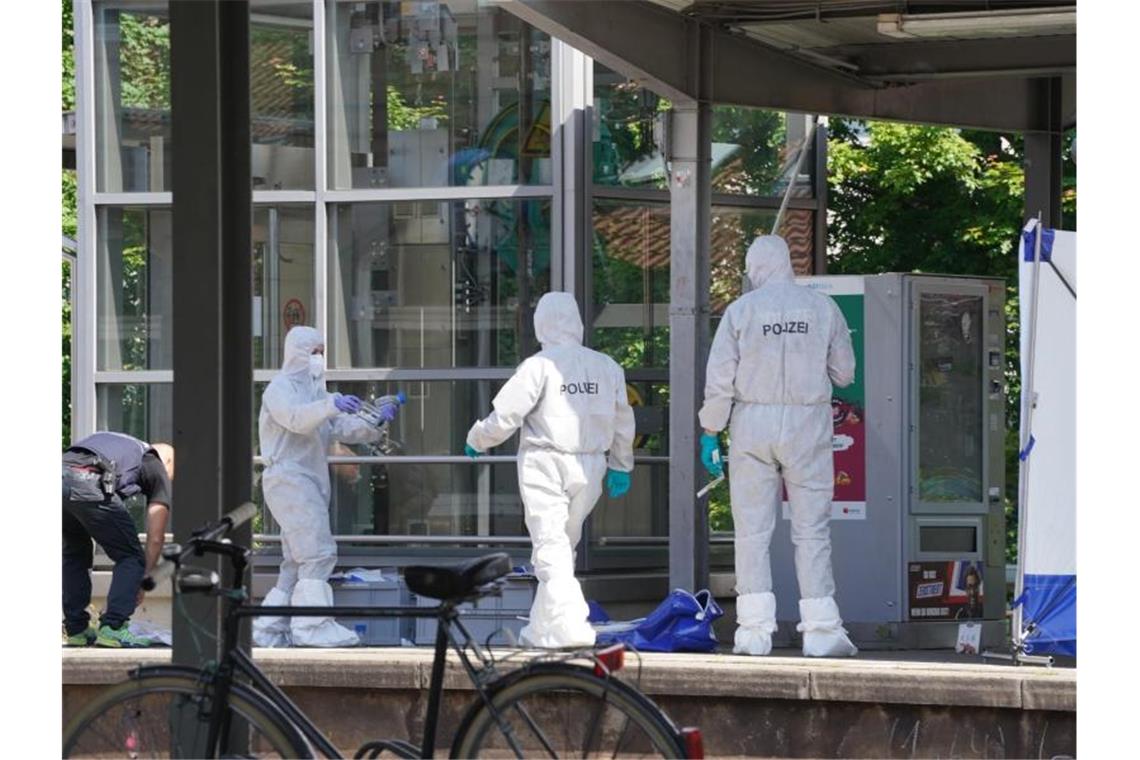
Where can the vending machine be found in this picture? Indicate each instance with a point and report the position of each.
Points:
(918, 521)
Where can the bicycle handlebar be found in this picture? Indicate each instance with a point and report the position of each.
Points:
(211, 532)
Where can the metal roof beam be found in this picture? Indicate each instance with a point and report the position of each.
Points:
(643, 42)
(652, 46)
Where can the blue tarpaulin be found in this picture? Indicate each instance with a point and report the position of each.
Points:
(1050, 613)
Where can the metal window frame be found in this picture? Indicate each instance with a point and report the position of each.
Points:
(653, 195)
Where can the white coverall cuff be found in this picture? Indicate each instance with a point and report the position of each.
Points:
(715, 419)
(620, 464)
(473, 439)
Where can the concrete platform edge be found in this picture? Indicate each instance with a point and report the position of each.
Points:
(884, 682)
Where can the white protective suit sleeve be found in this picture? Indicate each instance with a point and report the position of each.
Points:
(840, 353)
(301, 419)
(511, 406)
(621, 447)
(720, 375)
(348, 428)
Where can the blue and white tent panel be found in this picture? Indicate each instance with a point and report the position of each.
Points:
(1050, 561)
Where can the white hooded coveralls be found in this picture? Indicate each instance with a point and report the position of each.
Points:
(776, 354)
(297, 424)
(571, 405)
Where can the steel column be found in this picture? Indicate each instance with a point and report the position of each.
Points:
(83, 314)
(1043, 156)
(572, 221)
(690, 166)
(819, 237)
(213, 367)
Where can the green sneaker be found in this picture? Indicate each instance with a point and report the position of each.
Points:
(120, 638)
(82, 639)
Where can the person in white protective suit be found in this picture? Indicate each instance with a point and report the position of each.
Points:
(299, 422)
(572, 406)
(776, 354)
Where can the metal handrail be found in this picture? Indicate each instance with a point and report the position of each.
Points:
(651, 540)
(273, 538)
(452, 459)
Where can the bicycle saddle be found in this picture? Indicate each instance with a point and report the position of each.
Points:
(456, 582)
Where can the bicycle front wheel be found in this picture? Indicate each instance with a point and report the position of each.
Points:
(558, 709)
(154, 716)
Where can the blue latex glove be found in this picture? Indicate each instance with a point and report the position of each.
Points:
(388, 412)
(710, 455)
(472, 452)
(617, 483)
(347, 404)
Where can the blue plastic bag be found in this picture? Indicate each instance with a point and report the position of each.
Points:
(681, 623)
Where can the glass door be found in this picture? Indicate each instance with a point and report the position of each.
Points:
(948, 434)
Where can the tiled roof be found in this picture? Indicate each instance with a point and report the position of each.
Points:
(639, 235)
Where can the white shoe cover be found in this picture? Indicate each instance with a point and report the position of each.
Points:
(318, 631)
(756, 622)
(824, 634)
(566, 638)
(272, 631)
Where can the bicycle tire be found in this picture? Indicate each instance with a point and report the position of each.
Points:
(110, 725)
(479, 734)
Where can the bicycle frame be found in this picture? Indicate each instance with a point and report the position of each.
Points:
(234, 660)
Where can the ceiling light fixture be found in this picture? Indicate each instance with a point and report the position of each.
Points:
(1018, 23)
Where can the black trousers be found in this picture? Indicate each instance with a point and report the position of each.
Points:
(89, 514)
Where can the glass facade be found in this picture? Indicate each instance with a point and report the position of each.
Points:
(284, 278)
(436, 94)
(143, 410)
(281, 94)
(406, 204)
(134, 268)
(436, 283)
(131, 64)
(754, 151)
(630, 315)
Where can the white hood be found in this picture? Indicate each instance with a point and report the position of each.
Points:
(299, 345)
(557, 321)
(768, 260)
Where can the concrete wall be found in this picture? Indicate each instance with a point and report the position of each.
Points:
(775, 706)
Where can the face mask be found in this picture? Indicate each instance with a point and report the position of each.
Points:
(316, 366)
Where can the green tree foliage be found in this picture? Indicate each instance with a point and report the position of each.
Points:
(404, 116)
(68, 83)
(144, 60)
(761, 136)
(285, 54)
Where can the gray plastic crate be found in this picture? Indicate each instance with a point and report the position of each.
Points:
(488, 615)
(377, 631)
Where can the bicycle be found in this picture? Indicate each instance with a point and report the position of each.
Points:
(230, 708)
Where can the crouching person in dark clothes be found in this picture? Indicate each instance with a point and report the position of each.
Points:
(99, 473)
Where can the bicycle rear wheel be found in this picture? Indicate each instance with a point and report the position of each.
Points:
(167, 716)
(558, 709)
